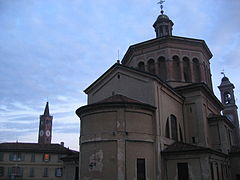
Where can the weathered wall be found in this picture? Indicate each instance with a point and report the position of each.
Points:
(113, 137)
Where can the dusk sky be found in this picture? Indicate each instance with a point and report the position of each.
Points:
(51, 50)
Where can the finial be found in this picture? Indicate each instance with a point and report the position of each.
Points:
(118, 60)
(161, 5)
(223, 73)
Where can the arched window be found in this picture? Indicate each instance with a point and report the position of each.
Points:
(176, 68)
(180, 131)
(227, 97)
(167, 129)
(162, 68)
(205, 72)
(174, 131)
(151, 66)
(186, 70)
(141, 66)
(196, 70)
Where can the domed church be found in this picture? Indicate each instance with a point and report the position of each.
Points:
(154, 115)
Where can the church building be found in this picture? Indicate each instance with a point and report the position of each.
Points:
(154, 116)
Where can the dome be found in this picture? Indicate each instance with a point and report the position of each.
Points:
(162, 17)
(225, 78)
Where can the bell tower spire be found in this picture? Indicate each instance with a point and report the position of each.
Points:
(45, 127)
(163, 25)
(46, 110)
(230, 108)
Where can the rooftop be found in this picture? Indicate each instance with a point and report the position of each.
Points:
(35, 147)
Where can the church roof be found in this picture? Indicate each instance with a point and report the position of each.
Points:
(201, 86)
(115, 101)
(35, 147)
(215, 117)
(145, 73)
(180, 147)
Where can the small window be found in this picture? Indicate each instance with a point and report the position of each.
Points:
(15, 171)
(46, 157)
(193, 140)
(1, 171)
(31, 172)
(174, 131)
(212, 173)
(227, 97)
(33, 158)
(45, 172)
(58, 172)
(141, 174)
(1, 156)
(180, 131)
(216, 164)
(167, 133)
(151, 66)
(183, 173)
(141, 66)
(16, 156)
(59, 157)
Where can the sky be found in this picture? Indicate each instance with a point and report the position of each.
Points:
(51, 50)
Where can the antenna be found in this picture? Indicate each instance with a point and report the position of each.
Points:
(118, 54)
(161, 5)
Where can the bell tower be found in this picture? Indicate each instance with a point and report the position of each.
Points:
(230, 108)
(45, 127)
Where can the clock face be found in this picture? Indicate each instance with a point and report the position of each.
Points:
(41, 133)
(48, 133)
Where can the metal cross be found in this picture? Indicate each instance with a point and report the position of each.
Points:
(161, 5)
(223, 73)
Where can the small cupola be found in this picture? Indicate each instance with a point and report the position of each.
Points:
(163, 25)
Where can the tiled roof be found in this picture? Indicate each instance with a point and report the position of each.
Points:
(71, 157)
(183, 147)
(35, 147)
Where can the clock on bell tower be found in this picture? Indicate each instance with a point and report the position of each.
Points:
(230, 108)
(45, 127)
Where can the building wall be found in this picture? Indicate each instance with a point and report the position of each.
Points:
(201, 166)
(38, 165)
(138, 87)
(235, 166)
(113, 138)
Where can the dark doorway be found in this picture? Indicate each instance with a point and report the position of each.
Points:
(238, 176)
(141, 174)
(183, 171)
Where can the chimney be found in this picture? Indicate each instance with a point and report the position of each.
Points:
(62, 144)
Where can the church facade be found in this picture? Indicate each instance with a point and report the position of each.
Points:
(154, 115)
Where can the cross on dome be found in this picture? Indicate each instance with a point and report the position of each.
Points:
(161, 5)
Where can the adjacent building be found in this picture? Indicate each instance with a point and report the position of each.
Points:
(154, 115)
(25, 161)
(38, 161)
